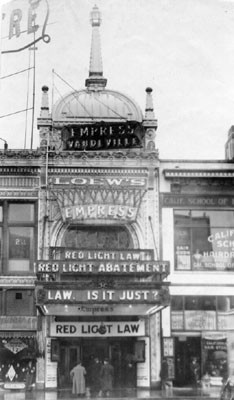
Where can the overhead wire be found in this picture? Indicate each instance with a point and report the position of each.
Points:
(27, 100)
(74, 94)
(16, 112)
(62, 98)
(109, 108)
(34, 48)
(16, 73)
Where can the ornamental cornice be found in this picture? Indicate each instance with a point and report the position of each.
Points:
(19, 170)
(16, 281)
(104, 155)
(177, 174)
(40, 154)
(61, 170)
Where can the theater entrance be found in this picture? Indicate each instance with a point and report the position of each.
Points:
(120, 352)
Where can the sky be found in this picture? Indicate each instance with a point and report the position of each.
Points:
(183, 49)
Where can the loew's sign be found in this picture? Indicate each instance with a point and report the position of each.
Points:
(100, 181)
(97, 329)
(23, 24)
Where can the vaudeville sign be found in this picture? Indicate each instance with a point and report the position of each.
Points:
(23, 24)
(101, 136)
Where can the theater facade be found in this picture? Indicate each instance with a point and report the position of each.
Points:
(101, 284)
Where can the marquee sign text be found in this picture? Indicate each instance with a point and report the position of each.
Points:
(102, 136)
(98, 181)
(98, 211)
(112, 296)
(64, 253)
(103, 267)
(126, 328)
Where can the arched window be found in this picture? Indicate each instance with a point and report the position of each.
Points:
(97, 237)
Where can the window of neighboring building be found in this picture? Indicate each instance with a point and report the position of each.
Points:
(177, 303)
(204, 240)
(20, 302)
(197, 313)
(17, 236)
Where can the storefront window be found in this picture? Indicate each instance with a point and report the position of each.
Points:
(17, 355)
(194, 313)
(204, 240)
(214, 350)
(225, 312)
(202, 313)
(17, 236)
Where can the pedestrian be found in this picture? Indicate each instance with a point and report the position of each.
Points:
(195, 371)
(78, 379)
(107, 377)
(164, 374)
(29, 376)
(94, 376)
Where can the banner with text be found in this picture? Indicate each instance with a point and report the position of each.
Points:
(95, 329)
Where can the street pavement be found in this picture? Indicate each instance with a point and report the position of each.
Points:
(138, 394)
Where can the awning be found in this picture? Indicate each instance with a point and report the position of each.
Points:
(100, 309)
(17, 334)
(21, 346)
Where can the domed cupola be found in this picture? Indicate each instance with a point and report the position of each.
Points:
(106, 119)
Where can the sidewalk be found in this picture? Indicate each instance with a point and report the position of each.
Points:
(137, 394)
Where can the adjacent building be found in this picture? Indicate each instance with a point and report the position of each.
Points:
(197, 222)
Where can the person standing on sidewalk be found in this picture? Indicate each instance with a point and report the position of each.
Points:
(164, 375)
(107, 377)
(78, 379)
(30, 375)
(94, 376)
(166, 382)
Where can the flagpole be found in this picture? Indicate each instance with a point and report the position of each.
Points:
(34, 84)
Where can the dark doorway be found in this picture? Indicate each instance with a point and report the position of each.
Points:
(69, 354)
(187, 352)
(119, 352)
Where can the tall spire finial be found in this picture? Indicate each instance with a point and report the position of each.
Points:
(95, 80)
(45, 102)
(149, 108)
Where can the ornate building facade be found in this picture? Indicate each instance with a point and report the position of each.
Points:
(100, 281)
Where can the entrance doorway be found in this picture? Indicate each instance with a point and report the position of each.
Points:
(69, 355)
(187, 354)
(120, 353)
